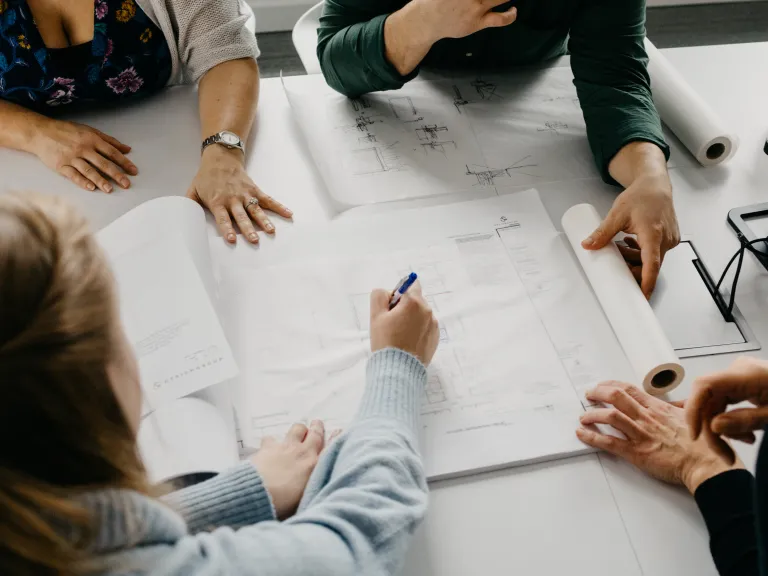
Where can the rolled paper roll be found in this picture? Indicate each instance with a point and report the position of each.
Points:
(689, 117)
(630, 315)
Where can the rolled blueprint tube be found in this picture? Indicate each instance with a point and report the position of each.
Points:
(691, 119)
(636, 327)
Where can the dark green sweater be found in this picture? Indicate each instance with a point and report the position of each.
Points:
(603, 37)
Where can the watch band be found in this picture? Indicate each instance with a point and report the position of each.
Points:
(225, 138)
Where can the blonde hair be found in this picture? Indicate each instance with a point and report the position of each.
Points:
(62, 430)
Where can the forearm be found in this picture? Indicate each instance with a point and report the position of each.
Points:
(351, 48)
(234, 498)
(726, 502)
(228, 96)
(364, 500)
(405, 41)
(19, 127)
(640, 160)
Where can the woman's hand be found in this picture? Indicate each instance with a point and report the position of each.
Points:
(223, 186)
(657, 441)
(84, 155)
(285, 466)
(745, 380)
(410, 326)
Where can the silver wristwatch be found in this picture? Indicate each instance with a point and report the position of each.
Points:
(225, 138)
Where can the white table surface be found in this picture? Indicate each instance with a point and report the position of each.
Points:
(590, 515)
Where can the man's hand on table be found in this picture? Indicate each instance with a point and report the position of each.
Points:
(410, 32)
(644, 209)
(656, 437)
(223, 186)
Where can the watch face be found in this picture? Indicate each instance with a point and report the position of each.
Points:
(230, 139)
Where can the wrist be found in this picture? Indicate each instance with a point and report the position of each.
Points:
(421, 16)
(699, 471)
(639, 161)
(408, 36)
(217, 153)
(35, 134)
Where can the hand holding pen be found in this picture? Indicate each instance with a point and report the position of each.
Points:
(402, 319)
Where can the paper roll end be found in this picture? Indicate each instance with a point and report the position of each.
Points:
(716, 151)
(663, 379)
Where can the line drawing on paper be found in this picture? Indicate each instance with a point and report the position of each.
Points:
(360, 103)
(487, 176)
(419, 119)
(429, 132)
(375, 160)
(434, 392)
(486, 90)
(362, 122)
(458, 100)
(402, 106)
(553, 126)
(439, 146)
(367, 139)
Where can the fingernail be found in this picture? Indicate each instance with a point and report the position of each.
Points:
(108, 188)
(270, 228)
(231, 237)
(91, 187)
(588, 242)
(124, 182)
(253, 237)
(289, 212)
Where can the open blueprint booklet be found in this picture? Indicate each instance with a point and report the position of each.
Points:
(161, 262)
(521, 333)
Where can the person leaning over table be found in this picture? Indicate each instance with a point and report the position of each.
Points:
(74, 496)
(686, 445)
(62, 54)
(370, 45)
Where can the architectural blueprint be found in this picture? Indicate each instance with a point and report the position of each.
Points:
(521, 335)
(448, 134)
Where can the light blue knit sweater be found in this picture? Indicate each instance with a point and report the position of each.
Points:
(361, 506)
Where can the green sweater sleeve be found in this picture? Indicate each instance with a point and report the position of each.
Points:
(609, 65)
(351, 47)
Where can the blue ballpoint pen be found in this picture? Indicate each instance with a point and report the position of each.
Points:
(402, 288)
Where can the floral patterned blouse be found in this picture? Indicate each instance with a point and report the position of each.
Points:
(127, 58)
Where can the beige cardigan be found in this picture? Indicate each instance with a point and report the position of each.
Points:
(202, 34)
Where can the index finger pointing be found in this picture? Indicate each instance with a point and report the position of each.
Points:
(650, 254)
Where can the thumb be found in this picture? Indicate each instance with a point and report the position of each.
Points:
(604, 233)
(499, 19)
(379, 303)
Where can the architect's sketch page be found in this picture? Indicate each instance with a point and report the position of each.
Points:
(170, 321)
(521, 335)
(386, 146)
(448, 135)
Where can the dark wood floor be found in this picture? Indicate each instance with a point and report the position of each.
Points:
(668, 28)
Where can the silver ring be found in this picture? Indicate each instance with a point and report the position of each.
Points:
(251, 202)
